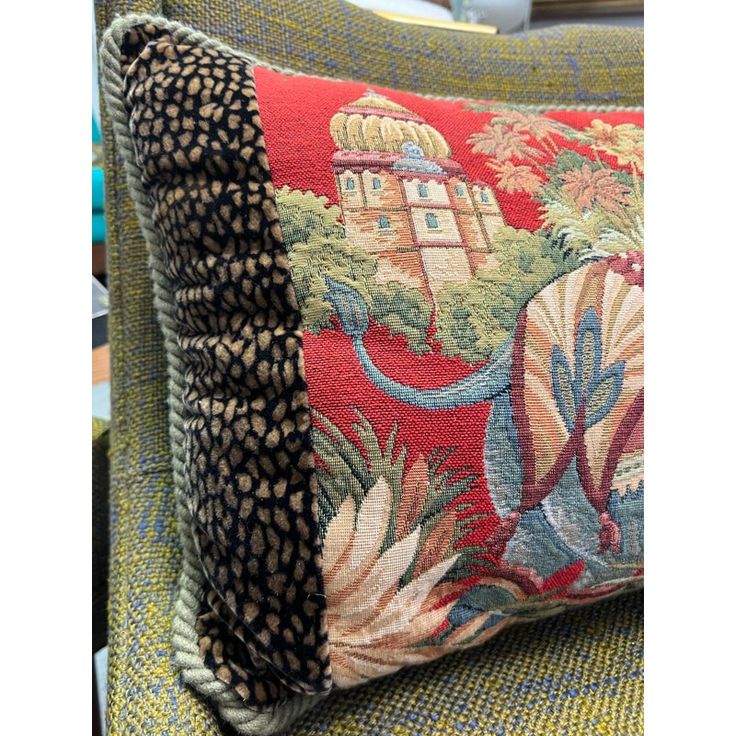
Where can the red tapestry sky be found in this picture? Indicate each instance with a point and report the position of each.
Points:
(301, 145)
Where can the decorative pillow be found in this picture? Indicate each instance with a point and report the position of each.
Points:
(405, 340)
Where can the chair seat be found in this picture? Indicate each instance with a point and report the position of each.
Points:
(578, 673)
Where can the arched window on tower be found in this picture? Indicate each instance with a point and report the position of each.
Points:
(422, 189)
(382, 222)
(459, 191)
(484, 197)
(376, 182)
(350, 184)
(431, 219)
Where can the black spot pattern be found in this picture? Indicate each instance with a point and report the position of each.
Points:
(251, 487)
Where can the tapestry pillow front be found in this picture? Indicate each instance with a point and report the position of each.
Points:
(470, 281)
(410, 332)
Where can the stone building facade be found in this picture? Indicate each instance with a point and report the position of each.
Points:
(406, 201)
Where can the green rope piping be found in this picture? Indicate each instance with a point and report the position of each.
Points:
(192, 579)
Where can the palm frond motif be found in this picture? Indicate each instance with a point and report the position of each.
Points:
(535, 126)
(517, 123)
(374, 619)
(594, 209)
(503, 143)
(625, 142)
(516, 178)
(597, 210)
(627, 236)
(393, 558)
(600, 186)
(421, 494)
(562, 218)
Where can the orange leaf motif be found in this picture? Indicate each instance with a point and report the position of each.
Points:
(438, 544)
(413, 496)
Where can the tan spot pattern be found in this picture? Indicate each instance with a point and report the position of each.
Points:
(251, 487)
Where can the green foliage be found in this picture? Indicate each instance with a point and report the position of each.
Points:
(304, 214)
(598, 231)
(316, 243)
(312, 260)
(404, 311)
(474, 319)
(567, 161)
(344, 470)
(348, 468)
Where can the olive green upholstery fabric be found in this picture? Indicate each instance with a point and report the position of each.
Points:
(524, 675)
(579, 674)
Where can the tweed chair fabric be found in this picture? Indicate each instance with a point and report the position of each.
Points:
(571, 66)
(579, 674)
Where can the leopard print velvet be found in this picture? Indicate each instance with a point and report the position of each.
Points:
(251, 490)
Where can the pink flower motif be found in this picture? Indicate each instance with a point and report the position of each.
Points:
(630, 265)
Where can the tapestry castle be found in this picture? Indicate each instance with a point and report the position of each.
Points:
(406, 201)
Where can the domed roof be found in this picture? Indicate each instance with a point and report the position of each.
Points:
(414, 161)
(375, 123)
(375, 101)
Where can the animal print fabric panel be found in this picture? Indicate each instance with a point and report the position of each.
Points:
(470, 278)
(251, 489)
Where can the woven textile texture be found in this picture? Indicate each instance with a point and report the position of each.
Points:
(471, 283)
(441, 523)
(578, 674)
(576, 65)
(249, 485)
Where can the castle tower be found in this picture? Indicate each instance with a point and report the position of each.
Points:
(406, 201)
